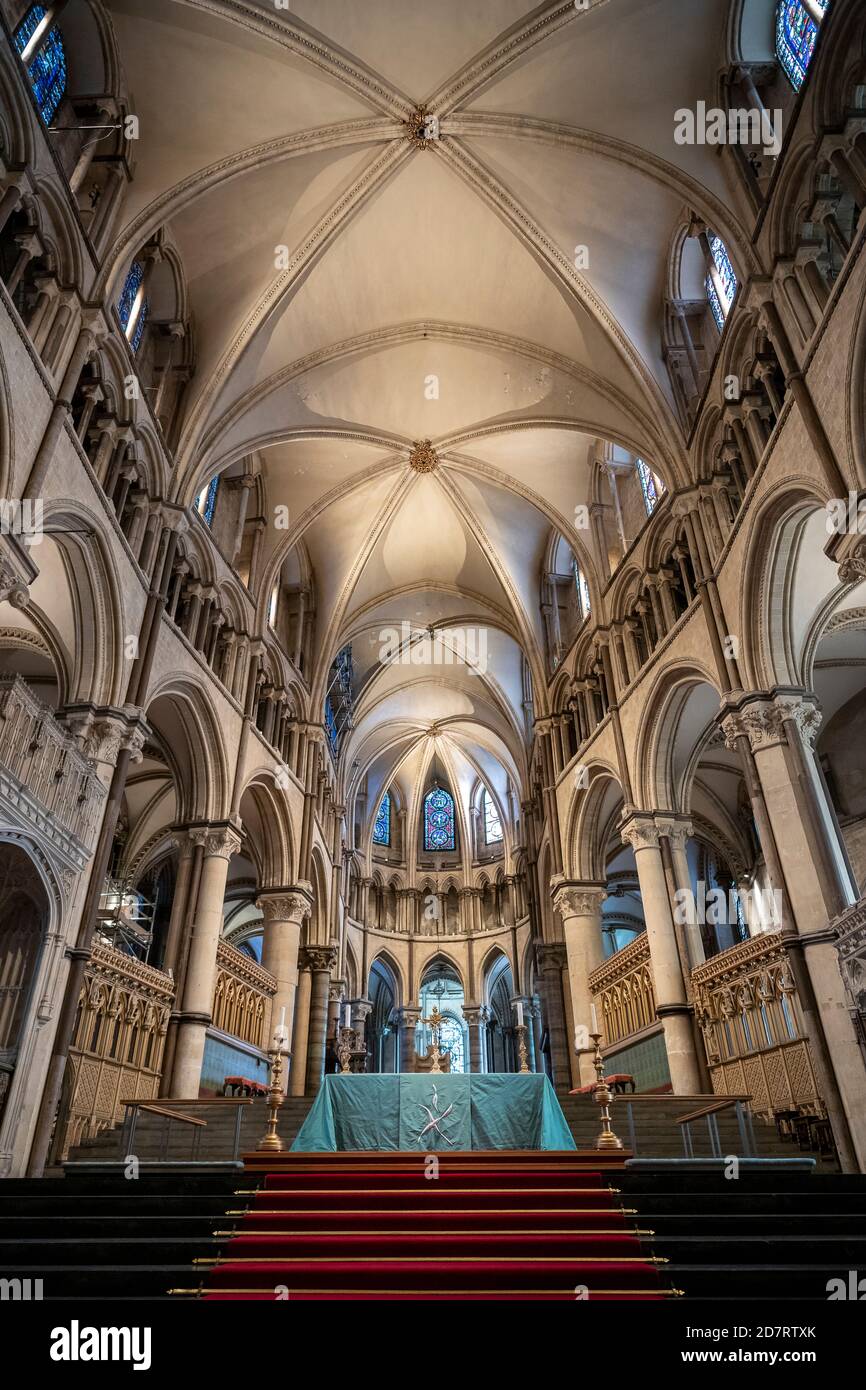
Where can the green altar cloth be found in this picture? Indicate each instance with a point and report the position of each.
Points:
(422, 1112)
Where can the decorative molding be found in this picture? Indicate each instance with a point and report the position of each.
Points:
(423, 457)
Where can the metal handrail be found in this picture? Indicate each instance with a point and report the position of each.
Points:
(134, 1108)
(710, 1113)
(172, 1114)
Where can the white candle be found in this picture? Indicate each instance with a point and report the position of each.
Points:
(347, 1016)
(519, 1007)
(283, 1017)
(594, 1019)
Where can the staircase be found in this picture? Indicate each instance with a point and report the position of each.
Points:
(491, 1225)
(761, 1236)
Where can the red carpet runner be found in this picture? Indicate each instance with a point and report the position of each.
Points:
(501, 1226)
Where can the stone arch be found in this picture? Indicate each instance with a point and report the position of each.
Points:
(88, 625)
(267, 826)
(391, 968)
(680, 704)
(778, 598)
(183, 717)
(590, 809)
(319, 917)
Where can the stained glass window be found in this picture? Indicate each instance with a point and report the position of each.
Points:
(382, 828)
(205, 503)
(438, 820)
(492, 823)
(47, 66)
(451, 1041)
(582, 591)
(796, 33)
(722, 286)
(138, 331)
(132, 308)
(651, 485)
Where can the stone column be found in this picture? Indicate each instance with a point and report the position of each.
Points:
(552, 959)
(579, 906)
(408, 1019)
(219, 844)
(477, 1018)
(361, 1010)
(298, 1077)
(321, 961)
(672, 1006)
(284, 911)
(815, 885)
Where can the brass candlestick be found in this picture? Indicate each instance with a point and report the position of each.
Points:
(271, 1141)
(603, 1097)
(521, 1047)
(347, 1045)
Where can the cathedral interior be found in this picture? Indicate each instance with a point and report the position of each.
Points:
(433, 567)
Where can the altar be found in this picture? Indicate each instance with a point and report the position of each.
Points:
(448, 1112)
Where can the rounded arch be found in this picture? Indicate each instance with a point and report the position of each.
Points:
(682, 701)
(590, 821)
(77, 604)
(267, 826)
(778, 598)
(186, 725)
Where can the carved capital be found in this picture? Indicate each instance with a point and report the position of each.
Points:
(287, 905)
(762, 720)
(641, 832)
(578, 899)
(319, 958)
(678, 832)
(552, 956)
(218, 841)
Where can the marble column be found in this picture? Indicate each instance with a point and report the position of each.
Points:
(552, 960)
(219, 844)
(283, 911)
(579, 906)
(408, 1020)
(477, 1018)
(816, 885)
(300, 1036)
(672, 1005)
(321, 960)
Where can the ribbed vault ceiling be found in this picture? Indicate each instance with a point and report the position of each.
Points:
(264, 128)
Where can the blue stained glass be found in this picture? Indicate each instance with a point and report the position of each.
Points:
(129, 294)
(796, 34)
(135, 340)
(47, 67)
(206, 509)
(438, 820)
(382, 828)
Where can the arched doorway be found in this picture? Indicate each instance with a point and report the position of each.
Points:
(381, 1033)
(442, 988)
(501, 1052)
